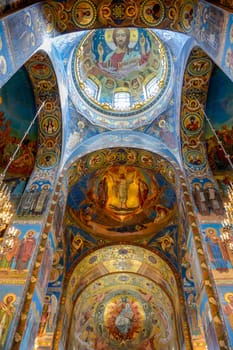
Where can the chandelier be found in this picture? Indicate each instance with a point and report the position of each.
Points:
(227, 224)
(6, 207)
(9, 240)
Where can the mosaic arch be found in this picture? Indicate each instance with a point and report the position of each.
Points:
(39, 189)
(123, 193)
(126, 264)
(195, 89)
(49, 118)
(176, 15)
(44, 82)
(194, 95)
(123, 309)
(121, 73)
(80, 14)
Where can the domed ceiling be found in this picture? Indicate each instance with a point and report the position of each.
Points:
(126, 193)
(119, 74)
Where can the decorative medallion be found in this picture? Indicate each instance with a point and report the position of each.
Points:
(186, 15)
(199, 66)
(195, 159)
(152, 12)
(118, 12)
(47, 160)
(49, 18)
(50, 125)
(84, 13)
(192, 123)
(40, 70)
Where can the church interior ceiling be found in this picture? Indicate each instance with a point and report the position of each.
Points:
(143, 113)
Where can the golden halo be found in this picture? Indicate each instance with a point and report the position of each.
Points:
(212, 230)
(162, 123)
(30, 231)
(56, 258)
(9, 295)
(208, 185)
(226, 296)
(109, 39)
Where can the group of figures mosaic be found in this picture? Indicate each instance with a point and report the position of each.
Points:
(33, 202)
(121, 195)
(17, 251)
(207, 198)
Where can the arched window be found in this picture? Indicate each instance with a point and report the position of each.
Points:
(121, 100)
(91, 88)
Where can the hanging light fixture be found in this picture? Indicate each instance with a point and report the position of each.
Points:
(8, 241)
(227, 232)
(6, 207)
(227, 224)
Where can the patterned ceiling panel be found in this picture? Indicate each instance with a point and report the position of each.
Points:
(176, 15)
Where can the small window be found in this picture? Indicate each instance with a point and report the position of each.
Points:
(122, 100)
(91, 88)
(151, 88)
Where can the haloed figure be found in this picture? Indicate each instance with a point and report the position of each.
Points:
(123, 55)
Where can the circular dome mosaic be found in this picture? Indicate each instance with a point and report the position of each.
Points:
(118, 74)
